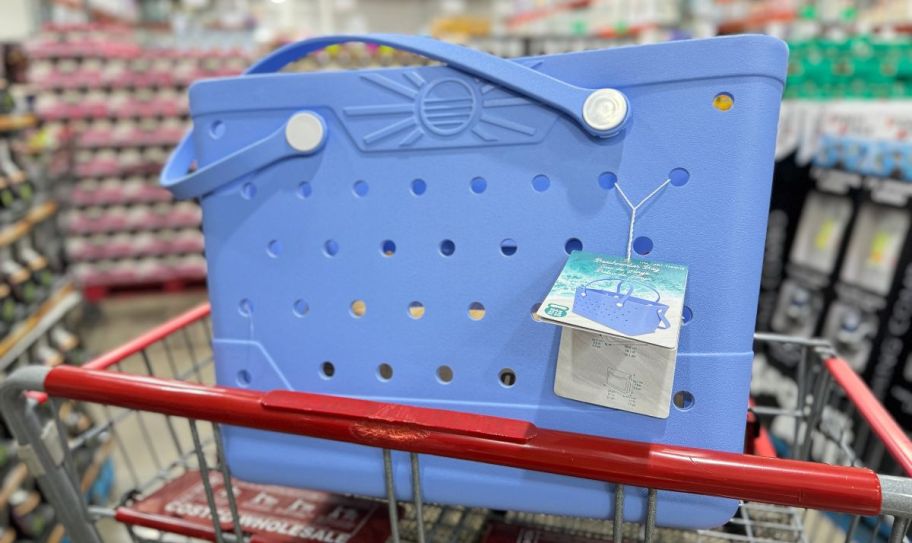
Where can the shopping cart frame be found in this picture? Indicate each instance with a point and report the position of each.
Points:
(494, 440)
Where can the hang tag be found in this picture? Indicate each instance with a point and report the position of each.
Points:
(622, 320)
(628, 299)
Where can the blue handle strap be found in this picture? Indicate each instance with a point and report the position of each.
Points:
(630, 287)
(601, 112)
(523, 80)
(271, 149)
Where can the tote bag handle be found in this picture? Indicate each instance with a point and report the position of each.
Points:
(600, 112)
(631, 286)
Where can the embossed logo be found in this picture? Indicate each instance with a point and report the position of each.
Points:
(447, 111)
(447, 106)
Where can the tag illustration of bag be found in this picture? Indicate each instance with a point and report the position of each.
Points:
(619, 308)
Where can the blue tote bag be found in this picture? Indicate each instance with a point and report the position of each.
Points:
(387, 233)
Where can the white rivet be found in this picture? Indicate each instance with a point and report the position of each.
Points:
(605, 109)
(305, 131)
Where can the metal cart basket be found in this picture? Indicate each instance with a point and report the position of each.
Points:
(149, 397)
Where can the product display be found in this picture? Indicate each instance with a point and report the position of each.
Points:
(118, 105)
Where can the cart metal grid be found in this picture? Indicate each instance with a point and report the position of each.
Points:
(149, 397)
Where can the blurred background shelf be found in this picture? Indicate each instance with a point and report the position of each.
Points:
(64, 299)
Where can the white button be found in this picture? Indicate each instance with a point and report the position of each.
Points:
(605, 109)
(305, 131)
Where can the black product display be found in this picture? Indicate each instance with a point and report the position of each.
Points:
(791, 183)
(866, 291)
(31, 516)
(807, 290)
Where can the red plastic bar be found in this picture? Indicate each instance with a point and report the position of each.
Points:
(882, 423)
(664, 467)
(171, 525)
(376, 413)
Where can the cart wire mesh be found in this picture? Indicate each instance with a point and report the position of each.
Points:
(155, 418)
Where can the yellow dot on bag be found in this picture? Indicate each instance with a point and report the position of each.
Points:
(723, 101)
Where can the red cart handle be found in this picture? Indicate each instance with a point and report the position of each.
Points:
(882, 423)
(651, 465)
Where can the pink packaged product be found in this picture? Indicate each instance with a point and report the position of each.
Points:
(97, 134)
(123, 271)
(147, 132)
(96, 103)
(142, 217)
(80, 249)
(117, 245)
(119, 103)
(84, 192)
(187, 241)
(189, 267)
(152, 270)
(129, 159)
(103, 162)
(171, 131)
(95, 219)
(89, 72)
(160, 71)
(40, 73)
(85, 273)
(50, 106)
(111, 191)
(74, 106)
(152, 243)
(114, 72)
(183, 214)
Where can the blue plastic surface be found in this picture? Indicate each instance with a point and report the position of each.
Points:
(620, 309)
(438, 193)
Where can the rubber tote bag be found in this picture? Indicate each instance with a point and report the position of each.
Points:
(620, 308)
(387, 233)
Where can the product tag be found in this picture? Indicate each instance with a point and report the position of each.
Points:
(622, 321)
(616, 373)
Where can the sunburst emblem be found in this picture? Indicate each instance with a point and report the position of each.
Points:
(444, 108)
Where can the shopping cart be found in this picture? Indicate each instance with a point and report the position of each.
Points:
(149, 396)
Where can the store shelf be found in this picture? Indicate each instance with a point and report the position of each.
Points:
(97, 292)
(9, 234)
(91, 473)
(627, 32)
(136, 253)
(756, 21)
(542, 13)
(48, 314)
(134, 116)
(41, 212)
(12, 123)
(11, 483)
(119, 145)
(143, 169)
(112, 85)
(171, 226)
(58, 534)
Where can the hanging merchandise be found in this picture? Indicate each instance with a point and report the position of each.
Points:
(113, 98)
(387, 234)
